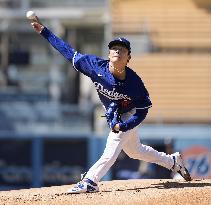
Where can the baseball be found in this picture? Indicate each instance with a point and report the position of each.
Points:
(30, 15)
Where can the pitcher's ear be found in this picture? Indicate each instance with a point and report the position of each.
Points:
(109, 54)
(129, 57)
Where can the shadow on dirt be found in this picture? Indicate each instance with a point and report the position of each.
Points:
(170, 185)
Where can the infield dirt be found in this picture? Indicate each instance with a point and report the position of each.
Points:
(133, 192)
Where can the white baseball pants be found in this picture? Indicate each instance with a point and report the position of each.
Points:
(130, 143)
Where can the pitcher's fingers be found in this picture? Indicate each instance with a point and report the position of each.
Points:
(37, 27)
(37, 20)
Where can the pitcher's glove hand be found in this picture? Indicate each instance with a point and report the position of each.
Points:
(112, 115)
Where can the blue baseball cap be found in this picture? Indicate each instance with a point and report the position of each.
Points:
(121, 41)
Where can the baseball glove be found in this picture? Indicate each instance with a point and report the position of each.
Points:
(113, 116)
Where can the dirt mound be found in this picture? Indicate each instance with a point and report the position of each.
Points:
(152, 192)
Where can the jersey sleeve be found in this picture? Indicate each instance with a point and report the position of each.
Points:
(142, 99)
(134, 120)
(82, 63)
(142, 102)
(86, 64)
(63, 47)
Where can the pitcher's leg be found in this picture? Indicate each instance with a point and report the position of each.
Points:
(110, 154)
(134, 149)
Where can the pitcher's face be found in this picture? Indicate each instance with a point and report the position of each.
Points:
(119, 54)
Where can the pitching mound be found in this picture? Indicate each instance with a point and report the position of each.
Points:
(152, 192)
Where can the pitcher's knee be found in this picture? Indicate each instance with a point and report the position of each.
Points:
(140, 156)
(135, 156)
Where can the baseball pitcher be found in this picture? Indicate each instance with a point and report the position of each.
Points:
(126, 102)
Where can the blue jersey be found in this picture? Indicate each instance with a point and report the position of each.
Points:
(129, 93)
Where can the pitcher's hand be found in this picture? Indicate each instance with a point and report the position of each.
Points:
(37, 26)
